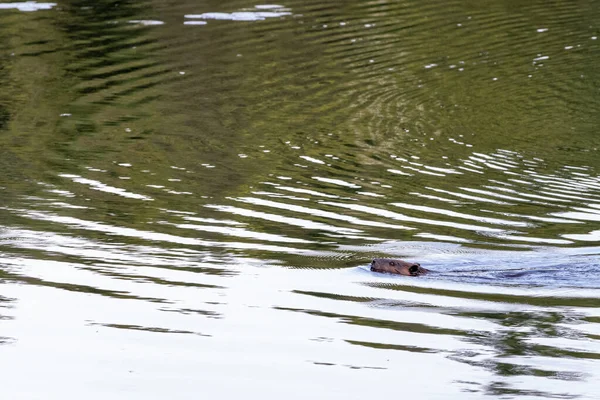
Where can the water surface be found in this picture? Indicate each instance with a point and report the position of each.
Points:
(191, 193)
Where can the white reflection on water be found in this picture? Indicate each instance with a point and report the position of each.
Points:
(78, 223)
(27, 6)
(300, 190)
(266, 360)
(336, 182)
(242, 232)
(449, 213)
(303, 223)
(245, 15)
(313, 160)
(294, 330)
(146, 22)
(320, 213)
(401, 217)
(96, 185)
(240, 15)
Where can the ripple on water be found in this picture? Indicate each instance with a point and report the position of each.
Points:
(183, 199)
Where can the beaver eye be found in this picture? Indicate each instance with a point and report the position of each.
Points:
(392, 263)
(414, 269)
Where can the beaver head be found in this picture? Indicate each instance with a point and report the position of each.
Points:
(399, 267)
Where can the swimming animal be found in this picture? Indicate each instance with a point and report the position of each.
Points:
(399, 267)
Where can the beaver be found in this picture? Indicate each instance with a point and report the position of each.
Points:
(400, 267)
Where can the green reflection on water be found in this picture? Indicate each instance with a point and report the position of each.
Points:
(303, 120)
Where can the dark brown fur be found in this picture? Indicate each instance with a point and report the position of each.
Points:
(399, 267)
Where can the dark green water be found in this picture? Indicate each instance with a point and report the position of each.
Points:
(191, 192)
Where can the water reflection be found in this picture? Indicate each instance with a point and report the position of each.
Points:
(27, 6)
(5, 306)
(191, 194)
(256, 14)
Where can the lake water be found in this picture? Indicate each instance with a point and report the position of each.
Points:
(191, 193)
